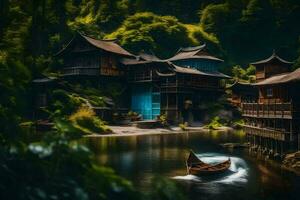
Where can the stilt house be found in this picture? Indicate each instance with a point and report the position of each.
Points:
(272, 122)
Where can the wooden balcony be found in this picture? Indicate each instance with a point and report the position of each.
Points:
(193, 84)
(81, 71)
(144, 76)
(268, 110)
(266, 133)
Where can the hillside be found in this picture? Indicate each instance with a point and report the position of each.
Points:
(240, 31)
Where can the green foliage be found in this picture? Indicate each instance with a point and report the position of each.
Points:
(57, 167)
(64, 103)
(215, 123)
(240, 74)
(238, 124)
(96, 16)
(162, 118)
(212, 17)
(164, 189)
(147, 31)
(14, 79)
(249, 30)
(134, 116)
(85, 120)
(183, 126)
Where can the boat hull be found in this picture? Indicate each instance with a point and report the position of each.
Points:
(197, 167)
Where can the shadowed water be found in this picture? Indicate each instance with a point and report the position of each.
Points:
(139, 158)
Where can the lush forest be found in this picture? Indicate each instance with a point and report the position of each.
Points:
(32, 31)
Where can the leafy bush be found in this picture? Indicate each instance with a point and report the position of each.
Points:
(162, 118)
(241, 74)
(134, 116)
(215, 123)
(64, 103)
(85, 120)
(58, 167)
(183, 126)
(164, 189)
(238, 124)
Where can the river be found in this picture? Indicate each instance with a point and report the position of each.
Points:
(139, 158)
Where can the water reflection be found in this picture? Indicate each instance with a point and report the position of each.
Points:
(139, 158)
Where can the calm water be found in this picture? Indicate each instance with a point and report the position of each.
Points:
(139, 158)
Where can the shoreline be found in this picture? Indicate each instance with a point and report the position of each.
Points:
(126, 131)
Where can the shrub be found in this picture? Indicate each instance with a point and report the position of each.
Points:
(86, 120)
(163, 119)
(215, 123)
(64, 102)
(183, 126)
(134, 116)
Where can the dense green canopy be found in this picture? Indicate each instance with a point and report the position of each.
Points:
(147, 31)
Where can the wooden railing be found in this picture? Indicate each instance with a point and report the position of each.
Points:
(268, 110)
(89, 71)
(191, 84)
(266, 133)
(144, 76)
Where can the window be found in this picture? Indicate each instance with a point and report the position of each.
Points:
(269, 92)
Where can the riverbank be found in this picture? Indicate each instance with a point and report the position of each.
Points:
(121, 131)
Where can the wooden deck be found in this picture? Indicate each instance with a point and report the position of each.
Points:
(266, 133)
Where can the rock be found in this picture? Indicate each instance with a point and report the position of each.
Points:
(289, 156)
(297, 154)
(235, 145)
(292, 161)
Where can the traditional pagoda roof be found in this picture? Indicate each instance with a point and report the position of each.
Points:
(239, 85)
(148, 56)
(142, 58)
(197, 52)
(282, 78)
(273, 58)
(184, 70)
(106, 45)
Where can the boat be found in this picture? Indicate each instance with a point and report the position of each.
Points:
(197, 167)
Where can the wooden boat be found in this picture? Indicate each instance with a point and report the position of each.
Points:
(196, 167)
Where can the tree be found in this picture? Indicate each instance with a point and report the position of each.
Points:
(147, 31)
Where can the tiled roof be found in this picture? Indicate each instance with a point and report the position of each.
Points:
(106, 45)
(272, 58)
(282, 78)
(193, 53)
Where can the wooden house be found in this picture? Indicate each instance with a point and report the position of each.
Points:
(272, 122)
(242, 92)
(98, 62)
(184, 90)
(197, 79)
(42, 88)
(85, 56)
(162, 87)
(271, 66)
(144, 84)
(155, 86)
(197, 58)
